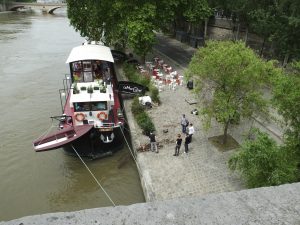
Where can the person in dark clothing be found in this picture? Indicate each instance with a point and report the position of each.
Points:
(153, 145)
(186, 142)
(178, 144)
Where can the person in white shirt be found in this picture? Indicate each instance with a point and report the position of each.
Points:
(191, 130)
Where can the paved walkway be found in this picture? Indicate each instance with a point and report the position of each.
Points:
(203, 170)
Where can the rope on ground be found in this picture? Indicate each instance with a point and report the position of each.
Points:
(94, 177)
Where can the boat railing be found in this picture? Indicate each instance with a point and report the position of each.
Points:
(63, 119)
(64, 93)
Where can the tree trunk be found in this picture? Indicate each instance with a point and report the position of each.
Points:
(272, 50)
(225, 132)
(174, 28)
(237, 32)
(262, 47)
(189, 28)
(143, 59)
(205, 28)
(246, 36)
(286, 59)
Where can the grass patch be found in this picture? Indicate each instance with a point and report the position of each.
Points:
(217, 141)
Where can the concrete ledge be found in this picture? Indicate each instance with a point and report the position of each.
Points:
(272, 205)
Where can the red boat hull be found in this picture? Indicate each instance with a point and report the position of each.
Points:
(60, 138)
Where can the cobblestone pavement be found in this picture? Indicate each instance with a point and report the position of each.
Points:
(202, 171)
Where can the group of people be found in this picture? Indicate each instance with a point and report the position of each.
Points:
(187, 129)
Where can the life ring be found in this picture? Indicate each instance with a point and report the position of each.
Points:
(102, 116)
(79, 117)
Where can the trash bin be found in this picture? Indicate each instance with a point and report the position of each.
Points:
(181, 36)
(196, 41)
(190, 84)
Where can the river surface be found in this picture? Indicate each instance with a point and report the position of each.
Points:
(33, 51)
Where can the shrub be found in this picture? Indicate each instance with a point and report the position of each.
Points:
(263, 163)
(145, 123)
(136, 107)
(142, 118)
(154, 94)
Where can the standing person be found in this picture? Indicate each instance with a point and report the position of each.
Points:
(178, 144)
(184, 123)
(191, 130)
(186, 142)
(153, 145)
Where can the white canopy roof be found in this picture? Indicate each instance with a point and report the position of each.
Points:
(90, 52)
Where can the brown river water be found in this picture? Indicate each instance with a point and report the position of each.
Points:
(33, 51)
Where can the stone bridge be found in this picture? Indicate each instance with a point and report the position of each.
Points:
(44, 7)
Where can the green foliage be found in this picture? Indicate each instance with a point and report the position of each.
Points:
(144, 121)
(154, 94)
(136, 107)
(133, 75)
(286, 98)
(263, 163)
(131, 22)
(230, 77)
(287, 34)
(141, 28)
(142, 118)
(197, 10)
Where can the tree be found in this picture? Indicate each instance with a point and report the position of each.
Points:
(263, 163)
(116, 22)
(229, 76)
(286, 98)
(141, 28)
(197, 11)
(287, 34)
(264, 23)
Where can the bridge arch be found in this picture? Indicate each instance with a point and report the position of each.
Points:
(45, 7)
(15, 8)
(52, 10)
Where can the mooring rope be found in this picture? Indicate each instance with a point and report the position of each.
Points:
(94, 176)
(130, 150)
(134, 158)
(45, 133)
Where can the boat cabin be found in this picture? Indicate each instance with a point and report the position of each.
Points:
(92, 95)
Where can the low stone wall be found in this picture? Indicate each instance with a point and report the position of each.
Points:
(2, 7)
(272, 206)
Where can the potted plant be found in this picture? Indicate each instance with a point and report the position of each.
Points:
(103, 89)
(75, 89)
(90, 89)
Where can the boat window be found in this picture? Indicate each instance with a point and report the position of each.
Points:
(78, 76)
(87, 66)
(97, 106)
(76, 66)
(81, 106)
(88, 77)
(89, 106)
